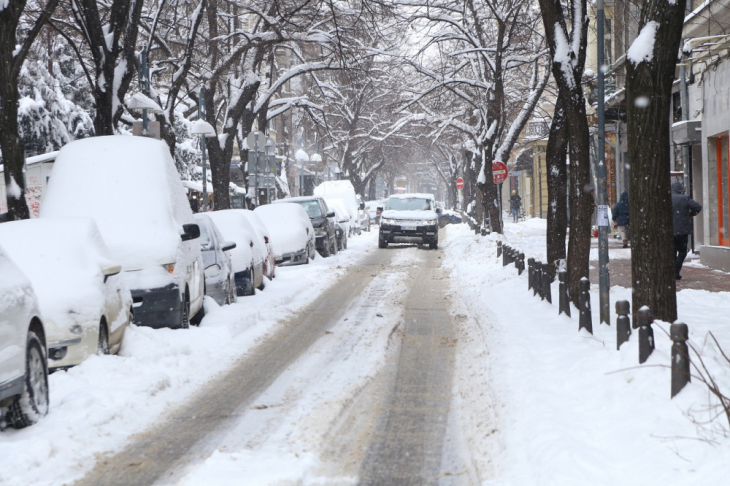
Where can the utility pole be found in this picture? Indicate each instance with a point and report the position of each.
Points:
(602, 189)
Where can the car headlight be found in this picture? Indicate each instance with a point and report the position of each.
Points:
(430, 222)
(212, 271)
(388, 221)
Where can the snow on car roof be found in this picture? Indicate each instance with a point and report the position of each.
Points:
(288, 225)
(296, 199)
(130, 187)
(62, 258)
(414, 195)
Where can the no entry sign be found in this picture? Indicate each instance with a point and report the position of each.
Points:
(499, 172)
(460, 183)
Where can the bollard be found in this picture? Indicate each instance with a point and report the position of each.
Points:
(521, 261)
(499, 249)
(680, 356)
(530, 274)
(623, 322)
(538, 280)
(504, 255)
(646, 333)
(546, 281)
(563, 301)
(584, 321)
(511, 256)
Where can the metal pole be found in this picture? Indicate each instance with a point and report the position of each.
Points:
(145, 89)
(201, 115)
(256, 170)
(602, 190)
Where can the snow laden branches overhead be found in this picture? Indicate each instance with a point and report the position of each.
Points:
(483, 67)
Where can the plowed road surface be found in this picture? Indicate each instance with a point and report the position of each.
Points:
(360, 381)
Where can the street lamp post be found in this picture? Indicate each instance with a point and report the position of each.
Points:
(204, 129)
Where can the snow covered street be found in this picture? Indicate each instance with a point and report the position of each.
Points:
(385, 366)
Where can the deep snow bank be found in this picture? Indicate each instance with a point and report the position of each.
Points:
(540, 403)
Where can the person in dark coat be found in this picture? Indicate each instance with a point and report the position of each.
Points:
(683, 209)
(621, 217)
(515, 201)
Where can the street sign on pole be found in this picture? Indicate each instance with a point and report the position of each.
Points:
(460, 183)
(499, 172)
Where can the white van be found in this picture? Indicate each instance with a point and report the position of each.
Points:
(130, 187)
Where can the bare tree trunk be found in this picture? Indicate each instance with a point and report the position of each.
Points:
(649, 87)
(568, 71)
(557, 181)
(12, 55)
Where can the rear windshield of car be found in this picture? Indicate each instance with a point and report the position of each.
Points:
(312, 208)
(408, 204)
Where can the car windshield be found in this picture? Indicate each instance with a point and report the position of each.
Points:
(409, 204)
(312, 208)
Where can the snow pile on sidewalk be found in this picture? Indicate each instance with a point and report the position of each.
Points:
(540, 403)
(96, 406)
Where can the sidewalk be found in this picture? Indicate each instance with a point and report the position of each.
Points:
(694, 275)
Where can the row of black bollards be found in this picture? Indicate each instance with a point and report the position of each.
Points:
(539, 279)
(678, 332)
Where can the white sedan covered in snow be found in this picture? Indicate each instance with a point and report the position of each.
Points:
(84, 303)
(23, 366)
(247, 257)
(292, 234)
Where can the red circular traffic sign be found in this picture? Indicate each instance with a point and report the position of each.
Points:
(499, 172)
(460, 183)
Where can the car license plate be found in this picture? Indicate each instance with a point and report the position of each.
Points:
(408, 226)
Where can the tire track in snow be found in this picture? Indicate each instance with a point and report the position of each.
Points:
(190, 431)
(408, 444)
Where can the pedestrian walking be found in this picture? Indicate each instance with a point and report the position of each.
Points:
(515, 202)
(621, 217)
(683, 210)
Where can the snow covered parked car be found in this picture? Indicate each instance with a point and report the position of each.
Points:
(247, 257)
(342, 190)
(23, 352)
(263, 233)
(84, 303)
(323, 222)
(291, 232)
(130, 187)
(344, 223)
(220, 283)
(410, 218)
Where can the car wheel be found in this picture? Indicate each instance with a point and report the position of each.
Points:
(251, 282)
(231, 297)
(382, 242)
(312, 252)
(32, 404)
(434, 244)
(102, 347)
(344, 242)
(185, 320)
(334, 246)
(326, 250)
(368, 227)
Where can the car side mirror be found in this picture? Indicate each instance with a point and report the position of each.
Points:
(228, 245)
(110, 270)
(331, 214)
(250, 243)
(362, 205)
(190, 232)
(439, 211)
(380, 210)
